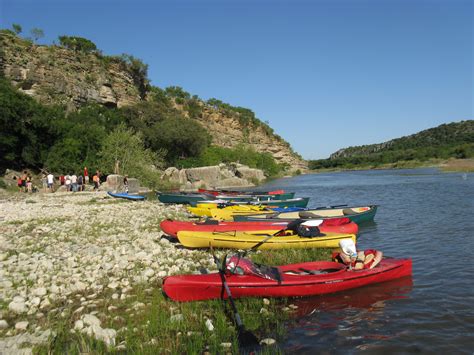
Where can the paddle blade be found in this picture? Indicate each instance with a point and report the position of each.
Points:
(246, 338)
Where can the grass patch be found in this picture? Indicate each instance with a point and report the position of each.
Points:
(146, 321)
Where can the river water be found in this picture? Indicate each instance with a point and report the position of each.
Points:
(423, 214)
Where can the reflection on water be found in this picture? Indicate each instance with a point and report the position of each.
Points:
(352, 317)
(369, 297)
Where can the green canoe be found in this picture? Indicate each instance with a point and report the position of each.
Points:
(357, 214)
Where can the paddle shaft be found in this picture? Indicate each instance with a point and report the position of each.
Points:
(238, 320)
(266, 239)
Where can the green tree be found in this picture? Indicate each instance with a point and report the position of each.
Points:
(36, 34)
(25, 126)
(17, 28)
(126, 148)
(79, 44)
(81, 135)
(181, 137)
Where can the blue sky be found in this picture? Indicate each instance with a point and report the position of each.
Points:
(325, 74)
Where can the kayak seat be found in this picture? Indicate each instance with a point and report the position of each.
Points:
(348, 211)
(306, 214)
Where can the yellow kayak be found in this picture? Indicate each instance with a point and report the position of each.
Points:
(208, 210)
(246, 240)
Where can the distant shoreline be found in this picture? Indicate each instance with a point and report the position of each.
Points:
(450, 165)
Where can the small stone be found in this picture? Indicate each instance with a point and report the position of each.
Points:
(267, 341)
(3, 324)
(209, 325)
(90, 319)
(21, 325)
(79, 310)
(79, 324)
(149, 272)
(40, 291)
(17, 307)
(35, 301)
(226, 345)
(176, 318)
(293, 306)
(113, 285)
(266, 301)
(162, 273)
(45, 303)
(115, 296)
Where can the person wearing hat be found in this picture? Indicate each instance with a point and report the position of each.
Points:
(357, 260)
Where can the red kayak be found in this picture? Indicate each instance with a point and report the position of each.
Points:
(303, 279)
(334, 225)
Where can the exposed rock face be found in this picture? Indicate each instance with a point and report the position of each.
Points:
(219, 176)
(56, 75)
(228, 132)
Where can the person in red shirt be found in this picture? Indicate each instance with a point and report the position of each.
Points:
(357, 260)
(86, 175)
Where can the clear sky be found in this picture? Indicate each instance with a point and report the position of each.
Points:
(325, 74)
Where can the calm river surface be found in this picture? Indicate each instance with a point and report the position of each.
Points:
(423, 214)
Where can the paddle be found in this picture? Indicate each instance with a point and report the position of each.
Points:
(244, 337)
(290, 225)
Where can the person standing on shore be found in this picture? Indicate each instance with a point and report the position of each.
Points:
(23, 180)
(86, 176)
(19, 183)
(29, 183)
(44, 181)
(74, 182)
(125, 183)
(96, 181)
(50, 179)
(80, 183)
(67, 182)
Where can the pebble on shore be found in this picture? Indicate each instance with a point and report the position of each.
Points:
(56, 246)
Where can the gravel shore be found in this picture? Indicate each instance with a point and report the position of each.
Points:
(74, 249)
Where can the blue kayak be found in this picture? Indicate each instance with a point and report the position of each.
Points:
(127, 196)
(289, 209)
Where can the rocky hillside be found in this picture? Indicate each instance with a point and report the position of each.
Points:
(444, 135)
(56, 75)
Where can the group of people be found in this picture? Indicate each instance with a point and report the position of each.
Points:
(25, 182)
(76, 183)
(72, 181)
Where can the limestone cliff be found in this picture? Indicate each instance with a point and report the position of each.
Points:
(55, 75)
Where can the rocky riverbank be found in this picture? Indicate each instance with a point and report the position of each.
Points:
(72, 255)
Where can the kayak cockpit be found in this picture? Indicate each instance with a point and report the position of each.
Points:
(238, 265)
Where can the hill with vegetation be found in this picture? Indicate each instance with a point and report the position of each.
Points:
(67, 105)
(452, 140)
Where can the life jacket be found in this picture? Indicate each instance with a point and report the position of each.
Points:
(336, 256)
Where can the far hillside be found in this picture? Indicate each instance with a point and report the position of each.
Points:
(452, 140)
